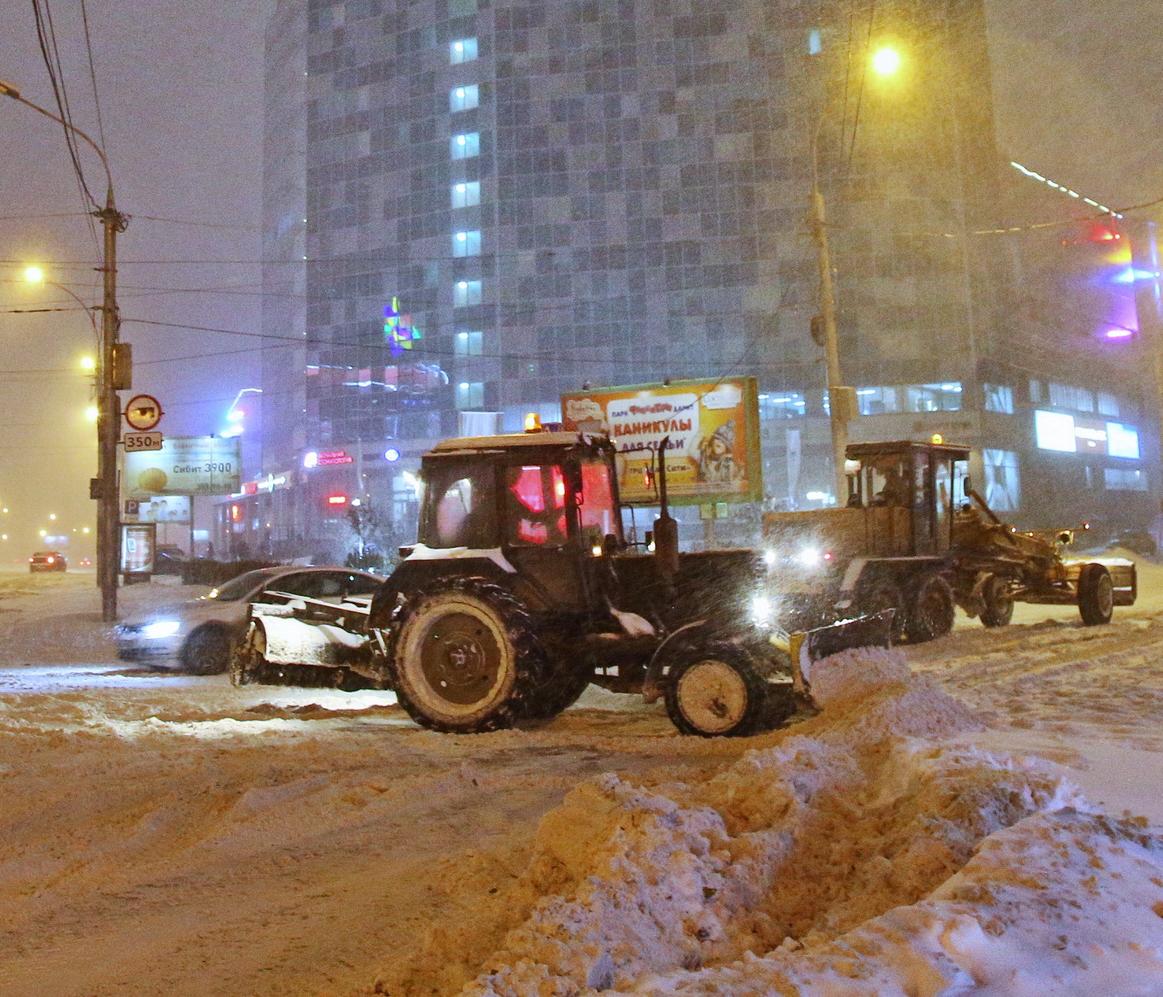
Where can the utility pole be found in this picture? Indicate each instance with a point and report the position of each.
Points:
(109, 418)
(838, 394)
(110, 376)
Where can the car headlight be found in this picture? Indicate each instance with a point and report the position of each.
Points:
(162, 628)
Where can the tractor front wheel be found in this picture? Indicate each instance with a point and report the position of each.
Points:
(465, 657)
(931, 611)
(1096, 595)
(715, 691)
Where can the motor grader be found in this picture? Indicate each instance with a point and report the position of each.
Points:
(522, 589)
(916, 537)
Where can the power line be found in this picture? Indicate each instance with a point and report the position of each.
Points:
(93, 75)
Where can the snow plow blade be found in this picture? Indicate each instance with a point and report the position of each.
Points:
(809, 646)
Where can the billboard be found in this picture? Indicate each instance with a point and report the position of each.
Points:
(713, 454)
(1065, 433)
(185, 465)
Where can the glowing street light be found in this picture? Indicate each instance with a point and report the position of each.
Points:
(886, 61)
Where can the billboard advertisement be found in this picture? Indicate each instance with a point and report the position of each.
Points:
(713, 453)
(185, 465)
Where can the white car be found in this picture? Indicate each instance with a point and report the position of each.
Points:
(200, 634)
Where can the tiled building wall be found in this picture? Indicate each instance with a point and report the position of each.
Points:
(643, 173)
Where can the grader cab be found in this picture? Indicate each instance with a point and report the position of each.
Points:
(915, 536)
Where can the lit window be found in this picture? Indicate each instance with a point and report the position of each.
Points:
(470, 394)
(1122, 441)
(815, 42)
(462, 50)
(1124, 479)
(463, 98)
(1108, 404)
(1003, 481)
(468, 194)
(1036, 395)
(1068, 396)
(786, 405)
(943, 397)
(999, 398)
(465, 146)
(466, 243)
(466, 292)
(468, 344)
(877, 401)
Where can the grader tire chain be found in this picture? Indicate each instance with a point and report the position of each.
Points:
(530, 661)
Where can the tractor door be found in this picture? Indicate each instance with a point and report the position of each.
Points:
(540, 534)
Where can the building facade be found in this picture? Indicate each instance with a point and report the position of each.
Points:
(506, 200)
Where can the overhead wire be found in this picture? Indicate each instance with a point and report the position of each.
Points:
(93, 76)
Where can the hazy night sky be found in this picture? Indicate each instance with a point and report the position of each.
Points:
(1077, 91)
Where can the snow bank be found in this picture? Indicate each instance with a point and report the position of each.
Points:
(853, 854)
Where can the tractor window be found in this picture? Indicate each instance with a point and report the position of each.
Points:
(598, 514)
(943, 509)
(459, 506)
(888, 480)
(535, 506)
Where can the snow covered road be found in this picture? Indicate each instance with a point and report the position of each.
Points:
(163, 833)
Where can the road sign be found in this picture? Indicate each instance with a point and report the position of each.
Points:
(143, 412)
(135, 442)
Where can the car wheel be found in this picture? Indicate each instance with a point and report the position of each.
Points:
(207, 651)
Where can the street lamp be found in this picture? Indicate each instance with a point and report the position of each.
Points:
(104, 487)
(841, 398)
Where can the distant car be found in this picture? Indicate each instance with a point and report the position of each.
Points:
(200, 634)
(168, 559)
(48, 560)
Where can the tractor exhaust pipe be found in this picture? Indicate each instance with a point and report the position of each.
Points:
(665, 526)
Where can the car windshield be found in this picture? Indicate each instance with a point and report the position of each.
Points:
(238, 588)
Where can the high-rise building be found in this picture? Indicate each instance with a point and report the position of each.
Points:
(506, 200)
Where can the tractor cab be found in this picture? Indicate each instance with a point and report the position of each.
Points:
(914, 488)
(538, 505)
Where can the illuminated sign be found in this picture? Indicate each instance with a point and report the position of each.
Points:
(185, 465)
(399, 333)
(1065, 433)
(329, 458)
(713, 426)
(338, 499)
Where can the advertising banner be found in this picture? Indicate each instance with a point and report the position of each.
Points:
(713, 453)
(185, 465)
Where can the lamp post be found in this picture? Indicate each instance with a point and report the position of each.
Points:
(841, 398)
(104, 487)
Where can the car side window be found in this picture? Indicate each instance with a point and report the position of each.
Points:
(301, 583)
(330, 586)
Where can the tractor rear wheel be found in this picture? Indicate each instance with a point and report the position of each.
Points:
(464, 656)
(931, 611)
(998, 607)
(1096, 595)
(715, 691)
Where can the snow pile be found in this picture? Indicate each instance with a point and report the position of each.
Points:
(840, 858)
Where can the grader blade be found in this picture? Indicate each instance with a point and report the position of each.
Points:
(809, 646)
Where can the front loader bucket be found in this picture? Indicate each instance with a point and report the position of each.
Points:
(810, 646)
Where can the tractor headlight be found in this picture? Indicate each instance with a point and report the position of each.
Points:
(161, 628)
(810, 557)
(761, 610)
